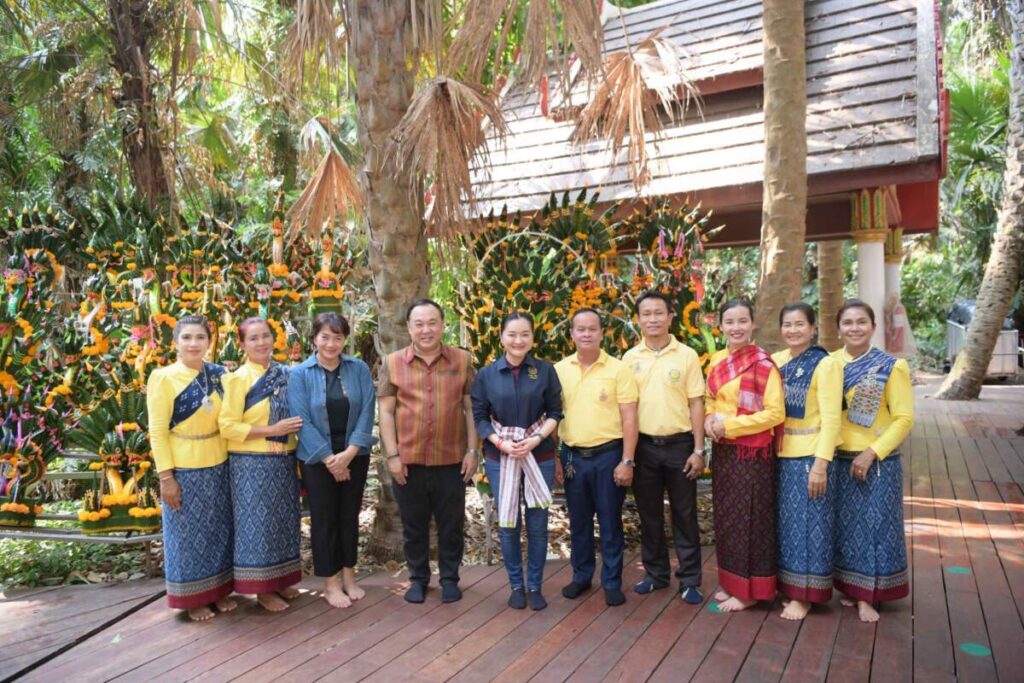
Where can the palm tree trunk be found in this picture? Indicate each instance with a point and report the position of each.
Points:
(784, 207)
(133, 25)
(380, 32)
(1004, 268)
(830, 291)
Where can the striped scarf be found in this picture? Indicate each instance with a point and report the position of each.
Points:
(753, 366)
(535, 489)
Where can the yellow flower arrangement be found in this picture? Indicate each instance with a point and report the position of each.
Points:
(122, 305)
(9, 384)
(164, 319)
(322, 293)
(95, 466)
(100, 344)
(280, 338)
(145, 465)
(687, 311)
(279, 270)
(191, 296)
(59, 390)
(294, 296)
(128, 426)
(19, 508)
(26, 327)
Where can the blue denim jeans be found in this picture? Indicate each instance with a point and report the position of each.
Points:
(536, 532)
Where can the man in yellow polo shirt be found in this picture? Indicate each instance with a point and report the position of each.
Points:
(598, 434)
(670, 452)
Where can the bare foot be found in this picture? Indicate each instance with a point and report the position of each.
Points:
(226, 604)
(201, 613)
(847, 602)
(734, 604)
(272, 602)
(348, 581)
(335, 595)
(866, 612)
(796, 610)
(289, 593)
(722, 596)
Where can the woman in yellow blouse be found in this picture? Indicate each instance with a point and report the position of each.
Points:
(264, 482)
(878, 412)
(183, 402)
(813, 384)
(744, 406)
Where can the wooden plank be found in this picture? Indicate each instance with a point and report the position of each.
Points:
(727, 655)
(1011, 459)
(558, 638)
(972, 456)
(993, 462)
(410, 641)
(767, 658)
(647, 651)
(893, 659)
(808, 661)
(317, 654)
(851, 653)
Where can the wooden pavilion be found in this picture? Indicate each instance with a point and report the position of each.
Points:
(876, 121)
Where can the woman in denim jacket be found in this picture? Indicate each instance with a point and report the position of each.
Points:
(333, 394)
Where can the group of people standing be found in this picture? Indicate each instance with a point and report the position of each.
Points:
(230, 449)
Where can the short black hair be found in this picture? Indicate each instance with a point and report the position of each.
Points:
(516, 315)
(654, 294)
(423, 302)
(855, 303)
(249, 322)
(334, 322)
(586, 309)
(805, 308)
(736, 303)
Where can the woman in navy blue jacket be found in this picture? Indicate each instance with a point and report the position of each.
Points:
(517, 404)
(333, 394)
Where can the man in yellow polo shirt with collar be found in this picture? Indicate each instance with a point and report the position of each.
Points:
(598, 434)
(670, 452)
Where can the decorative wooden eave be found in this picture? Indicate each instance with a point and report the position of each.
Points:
(873, 117)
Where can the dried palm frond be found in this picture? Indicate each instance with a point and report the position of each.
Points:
(581, 21)
(476, 26)
(541, 31)
(439, 138)
(640, 85)
(330, 193)
(317, 35)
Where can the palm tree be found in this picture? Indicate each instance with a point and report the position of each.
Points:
(1003, 272)
(784, 208)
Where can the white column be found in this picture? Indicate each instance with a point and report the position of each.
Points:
(871, 282)
(892, 279)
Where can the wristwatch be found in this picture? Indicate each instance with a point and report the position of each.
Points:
(630, 462)
(698, 452)
(475, 452)
(394, 455)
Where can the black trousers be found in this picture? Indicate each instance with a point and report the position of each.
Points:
(439, 492)
(660, 469)
(334, 514)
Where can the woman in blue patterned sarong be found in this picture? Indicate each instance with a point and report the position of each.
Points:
(878, 412)
(183, 403)
(264, 473)
(805, 509)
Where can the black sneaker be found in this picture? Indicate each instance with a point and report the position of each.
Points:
(517, 599)
(416, 593)
(536, 600)
(450, 592)
(575, 590)
(613, 597)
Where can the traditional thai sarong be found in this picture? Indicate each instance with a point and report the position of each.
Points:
(265, 497)
(198, 538)
(806, 532)
(870, 550)
(743, 485)
(743, 496)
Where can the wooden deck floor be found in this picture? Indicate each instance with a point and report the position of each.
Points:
(965, 525)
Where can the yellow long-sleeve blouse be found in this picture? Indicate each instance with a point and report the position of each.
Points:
(818, 432)
(726, 401)
(193, 443)
(236, 422)
(894, 419)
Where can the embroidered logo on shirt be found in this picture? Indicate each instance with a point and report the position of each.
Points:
(674, 375)
(531, 372)
(603, 396)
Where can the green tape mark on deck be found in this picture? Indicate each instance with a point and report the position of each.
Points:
(958, 570)
(713, 607)
(975, 649)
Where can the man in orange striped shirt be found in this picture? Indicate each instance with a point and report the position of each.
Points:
(430, 441)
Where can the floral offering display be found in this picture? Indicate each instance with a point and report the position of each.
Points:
(572, 255)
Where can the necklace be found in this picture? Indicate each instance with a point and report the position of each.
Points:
(660, 348)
